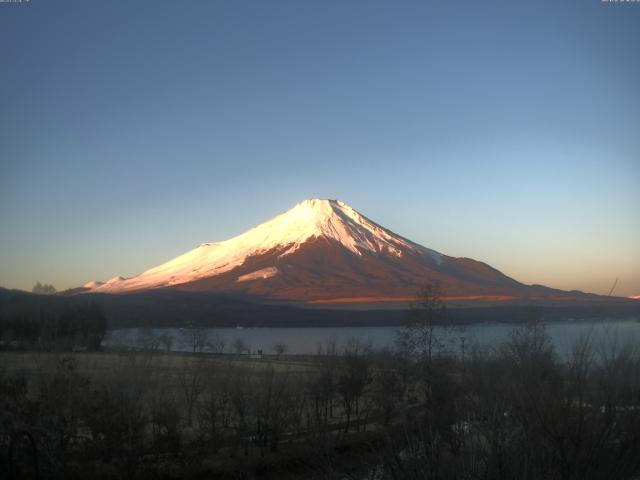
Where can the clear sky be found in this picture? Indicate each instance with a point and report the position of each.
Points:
(505, 131)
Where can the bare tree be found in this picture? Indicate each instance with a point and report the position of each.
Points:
(164, 419)
(147, 341)
(280, 349)
(352, 382)
(167, 341)
(240, 419)
(386, 392)
(322, 388)
(427, 313)
(529, 344)
(192, 385)
(330, 348)
(240, 346)
(216, 343)
(270, 409)
(197, 338)
(216, 409)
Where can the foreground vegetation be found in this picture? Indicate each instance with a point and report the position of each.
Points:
(70, 411)
(42, 323)
(516, 411)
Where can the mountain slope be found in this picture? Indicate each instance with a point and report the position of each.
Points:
(324, 251)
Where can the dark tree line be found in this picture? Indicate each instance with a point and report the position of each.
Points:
(71, 326)
(44, 289)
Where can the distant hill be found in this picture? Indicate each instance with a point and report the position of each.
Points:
(167, 308)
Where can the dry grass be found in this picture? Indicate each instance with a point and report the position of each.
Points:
(103, 367)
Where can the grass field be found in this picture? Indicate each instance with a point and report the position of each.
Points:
(105, 366)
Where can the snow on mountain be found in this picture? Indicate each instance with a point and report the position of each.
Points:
(263, 273)
(284, 234)
(92, 284)
(324, 251)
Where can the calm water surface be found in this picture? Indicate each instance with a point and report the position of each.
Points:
(564, 335)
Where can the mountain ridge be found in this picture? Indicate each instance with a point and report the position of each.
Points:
(324, 251)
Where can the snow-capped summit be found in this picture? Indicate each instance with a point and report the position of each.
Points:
(322, 250)
(330, 219)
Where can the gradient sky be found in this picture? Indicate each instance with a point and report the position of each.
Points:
(505, 131)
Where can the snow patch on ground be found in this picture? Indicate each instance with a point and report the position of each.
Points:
(259, 274)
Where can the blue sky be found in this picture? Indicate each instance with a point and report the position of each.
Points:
(502, 131)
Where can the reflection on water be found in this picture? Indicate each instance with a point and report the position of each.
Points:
(308, 340)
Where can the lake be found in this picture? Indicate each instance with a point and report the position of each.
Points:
(564, 334)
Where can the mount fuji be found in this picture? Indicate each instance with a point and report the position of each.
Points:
(324, 251)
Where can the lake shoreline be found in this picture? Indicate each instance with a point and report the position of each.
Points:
(309, 340)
